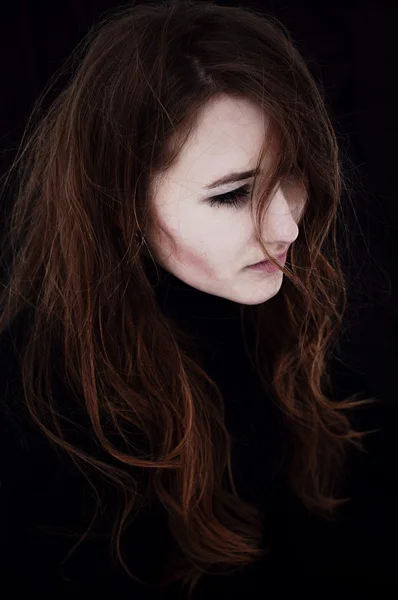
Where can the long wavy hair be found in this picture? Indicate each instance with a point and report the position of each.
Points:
(88, 160)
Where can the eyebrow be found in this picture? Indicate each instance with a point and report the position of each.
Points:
(232, 178)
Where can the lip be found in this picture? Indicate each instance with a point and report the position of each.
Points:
(280, 258)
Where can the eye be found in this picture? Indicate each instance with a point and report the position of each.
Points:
(235, 198)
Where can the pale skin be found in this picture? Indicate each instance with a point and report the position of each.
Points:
(215, 244)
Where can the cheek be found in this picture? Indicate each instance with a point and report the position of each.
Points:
(193, 260)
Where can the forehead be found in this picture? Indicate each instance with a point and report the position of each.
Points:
(229, 136)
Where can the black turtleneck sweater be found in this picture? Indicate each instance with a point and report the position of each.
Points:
(259, 443)
(43, 495)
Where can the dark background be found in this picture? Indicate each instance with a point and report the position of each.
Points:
(352, 50)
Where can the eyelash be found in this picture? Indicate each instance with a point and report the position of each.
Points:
(235, 198)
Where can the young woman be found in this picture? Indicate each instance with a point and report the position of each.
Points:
(172, 294)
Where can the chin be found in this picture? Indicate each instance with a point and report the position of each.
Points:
(261, 297)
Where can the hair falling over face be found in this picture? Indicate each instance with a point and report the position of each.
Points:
(63, 261)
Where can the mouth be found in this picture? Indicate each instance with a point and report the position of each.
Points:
(279, 258)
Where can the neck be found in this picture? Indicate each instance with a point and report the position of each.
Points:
(185, 303)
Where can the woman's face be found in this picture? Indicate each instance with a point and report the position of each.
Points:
(213, 245)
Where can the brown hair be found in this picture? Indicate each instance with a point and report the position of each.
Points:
(140, 78)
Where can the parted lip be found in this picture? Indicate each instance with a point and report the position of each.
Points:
(279, 257)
